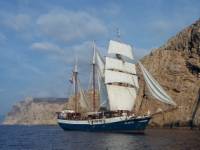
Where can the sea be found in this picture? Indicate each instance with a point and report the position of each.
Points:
(54, 138)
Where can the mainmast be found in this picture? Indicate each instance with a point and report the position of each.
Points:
(93, 74)
(75, 74)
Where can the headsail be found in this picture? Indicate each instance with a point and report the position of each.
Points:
(155, 89)
(99, 62)
(102, 92)
(120, 77)
(83, 99)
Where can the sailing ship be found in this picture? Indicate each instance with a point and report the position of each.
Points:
(116, 79)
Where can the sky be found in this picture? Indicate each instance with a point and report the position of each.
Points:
(40, 38)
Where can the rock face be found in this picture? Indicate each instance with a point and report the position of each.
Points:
(35, 111)
(176, 66)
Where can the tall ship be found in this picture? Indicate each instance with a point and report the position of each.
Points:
(115, 81)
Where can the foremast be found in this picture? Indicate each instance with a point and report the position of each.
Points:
(79, 97)
(75, 77)
(93, 77)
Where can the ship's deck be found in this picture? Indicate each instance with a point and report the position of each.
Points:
(94, 115)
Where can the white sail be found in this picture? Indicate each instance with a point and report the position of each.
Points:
(116, 64)
(83, 100)
(155, 89)
(120, 48)
(100, 66)
(100, 62)
(120, 97)
(102, 92)
(120, 78)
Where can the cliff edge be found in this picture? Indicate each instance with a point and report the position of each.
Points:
(35, 111)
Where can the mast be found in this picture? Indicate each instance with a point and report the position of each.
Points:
(93, 74)
(75, 74)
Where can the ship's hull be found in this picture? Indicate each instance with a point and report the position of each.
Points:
(115, 124)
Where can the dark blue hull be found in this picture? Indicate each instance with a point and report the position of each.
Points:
(130, 126)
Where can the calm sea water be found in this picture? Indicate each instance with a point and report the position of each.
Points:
(54, 138)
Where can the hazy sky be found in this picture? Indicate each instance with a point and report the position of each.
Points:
(39, 38)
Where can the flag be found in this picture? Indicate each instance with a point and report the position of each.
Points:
(71, 80)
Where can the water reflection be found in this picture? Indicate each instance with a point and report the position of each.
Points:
(54, 138)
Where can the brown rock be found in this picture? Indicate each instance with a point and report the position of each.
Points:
(176, 66)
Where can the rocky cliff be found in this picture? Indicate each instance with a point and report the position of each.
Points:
(176, 66)
(35, 111)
